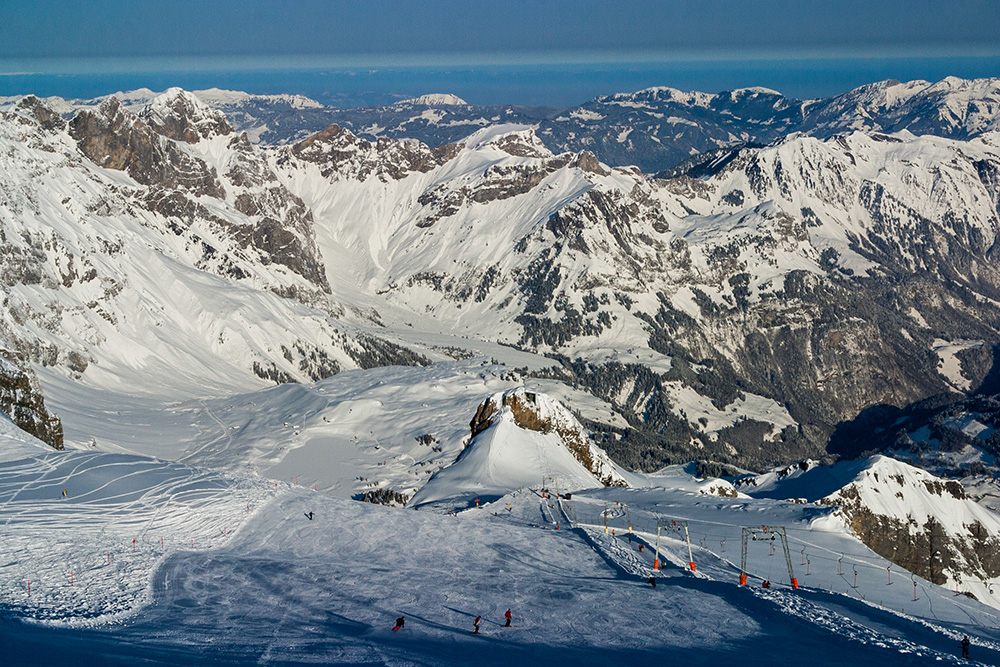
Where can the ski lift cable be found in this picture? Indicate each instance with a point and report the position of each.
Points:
(859, 558)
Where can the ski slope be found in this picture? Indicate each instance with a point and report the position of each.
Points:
(265, 584)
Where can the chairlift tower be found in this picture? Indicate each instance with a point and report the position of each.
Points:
(673, 525)
(765, 534)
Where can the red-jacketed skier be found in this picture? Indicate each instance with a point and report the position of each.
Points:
(479, 619)
(507, 616)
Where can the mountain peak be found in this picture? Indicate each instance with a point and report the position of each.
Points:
(520, 437)
(180, 115)
(435, 100)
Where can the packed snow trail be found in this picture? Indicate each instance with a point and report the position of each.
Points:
(87, 529)
(838, 614)
(287, 590)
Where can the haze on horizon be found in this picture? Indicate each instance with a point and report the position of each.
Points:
(519, 51)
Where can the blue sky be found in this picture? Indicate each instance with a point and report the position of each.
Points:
(808, 48)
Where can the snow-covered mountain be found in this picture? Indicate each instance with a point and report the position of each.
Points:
(161, 271)
(711, 308)
(737, 312)
(922, 523)
(161, 241)
(655, 128)
(520, 439)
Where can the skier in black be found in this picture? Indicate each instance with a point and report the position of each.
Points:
(965, 647)
(309, 515)
(399, 623)
(652, 582)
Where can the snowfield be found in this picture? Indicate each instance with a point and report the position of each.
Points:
(264, 583)
(202, 515)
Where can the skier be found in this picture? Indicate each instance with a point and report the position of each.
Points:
(479, 619)
(399, 624)
(507, 616)
(652, 582)
(640, 548)
(309, 515)
(766, 584)
(965, 647)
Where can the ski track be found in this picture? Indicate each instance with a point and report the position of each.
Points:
(628, 560)
(77, 550)
(264, 585)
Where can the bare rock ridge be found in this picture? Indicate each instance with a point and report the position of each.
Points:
(338, 151)
(181, 116)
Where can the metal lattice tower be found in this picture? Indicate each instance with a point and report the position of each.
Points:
(765, 533)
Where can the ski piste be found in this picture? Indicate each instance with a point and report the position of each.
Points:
(348, 570)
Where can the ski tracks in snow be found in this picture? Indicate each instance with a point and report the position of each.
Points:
(628, 561)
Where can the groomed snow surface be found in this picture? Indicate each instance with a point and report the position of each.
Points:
(262, 583)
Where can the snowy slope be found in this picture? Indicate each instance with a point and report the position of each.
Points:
(520, 439)
(921, 522)
(285, 589)
(156, 277)
(83, 532)
(16, 444)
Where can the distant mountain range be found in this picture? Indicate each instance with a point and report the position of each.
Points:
(654, 129)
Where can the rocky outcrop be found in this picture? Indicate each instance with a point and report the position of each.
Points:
(534, 412)
(21, 400)
(923, 524)
(113, 138)
(179, 115)
(46, 118)
(341, 154)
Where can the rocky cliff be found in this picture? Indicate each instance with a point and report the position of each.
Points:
(21, 400)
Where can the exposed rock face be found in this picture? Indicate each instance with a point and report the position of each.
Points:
(47, 118)
(179, 115)
(339, 153)
(280, 226)
(535, 413)
(923, 524)
(21, 400)
(115, 139)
